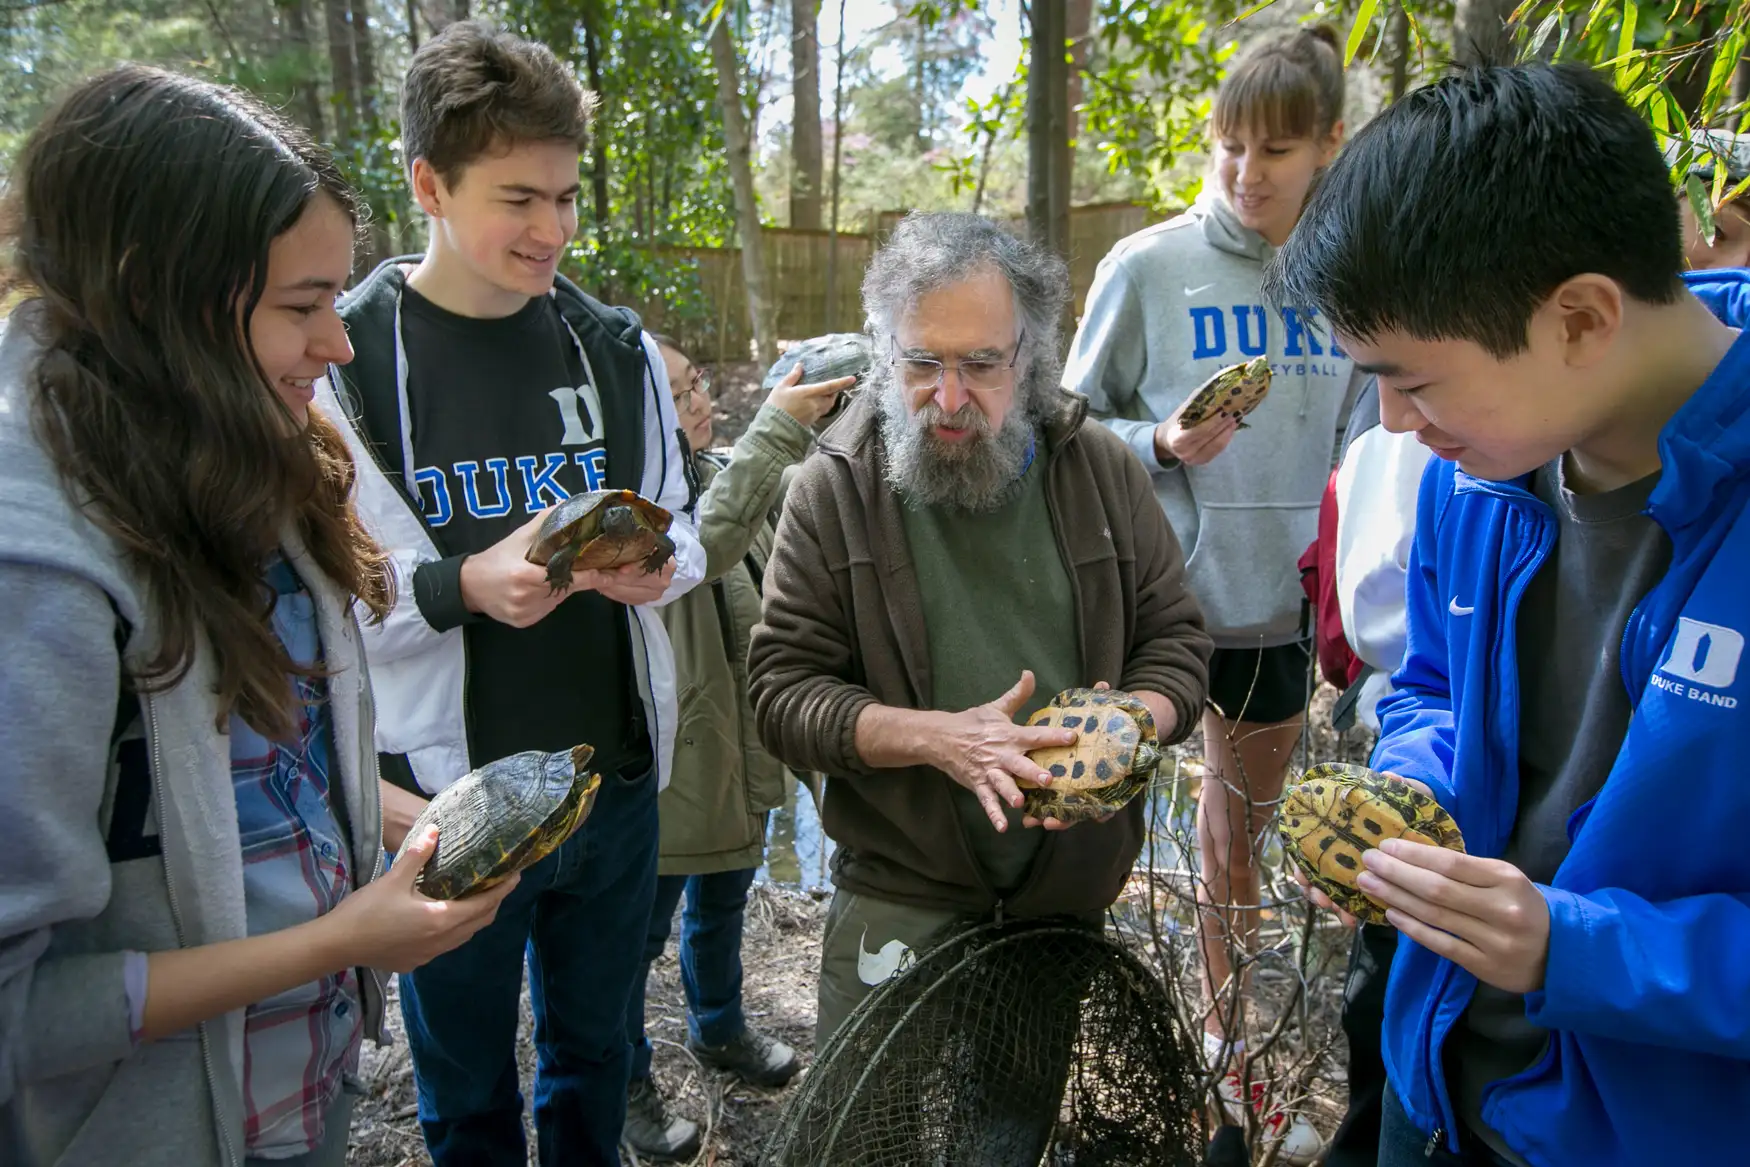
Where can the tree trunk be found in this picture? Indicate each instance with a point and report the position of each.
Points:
(458, 9)
(838, 133)
(805, 120)
(413, 25)
(1479, 32)
(598, 141)
(370, 122)
(307, 96)
(344, 77)
(1397, 31)
(1080, 20)
(1048, 128)
(762, 309)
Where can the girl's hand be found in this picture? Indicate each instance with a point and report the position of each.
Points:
(1195, 446)
(807, 403)
(388, 925)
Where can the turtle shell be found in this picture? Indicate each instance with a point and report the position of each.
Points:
(1338, 812)
(502, 818)
(1111, 762)
(601, 530)
(1233, 392)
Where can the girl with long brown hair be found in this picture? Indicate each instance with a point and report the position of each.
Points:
(188, 798)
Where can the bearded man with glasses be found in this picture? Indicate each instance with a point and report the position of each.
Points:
(961, 547)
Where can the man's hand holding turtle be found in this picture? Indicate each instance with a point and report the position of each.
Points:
(985, 751)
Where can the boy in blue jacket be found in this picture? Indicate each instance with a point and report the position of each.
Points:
(1502, 250)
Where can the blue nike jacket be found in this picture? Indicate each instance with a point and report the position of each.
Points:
(1647, 992)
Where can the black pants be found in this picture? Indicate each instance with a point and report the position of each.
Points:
(1356, 1143)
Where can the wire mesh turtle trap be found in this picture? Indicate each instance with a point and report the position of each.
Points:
(1014, 1045)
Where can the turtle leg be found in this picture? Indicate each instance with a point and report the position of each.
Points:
(559, 567)
(660, 554)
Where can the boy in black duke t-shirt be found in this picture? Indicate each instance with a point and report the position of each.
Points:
(485, 389)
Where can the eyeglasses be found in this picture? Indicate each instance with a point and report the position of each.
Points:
(699, 382)
(920, 374)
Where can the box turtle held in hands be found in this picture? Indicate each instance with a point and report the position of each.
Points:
(1112, 761)
(503, 817)
(601, 530)
(1338, 812)
(1233, 392)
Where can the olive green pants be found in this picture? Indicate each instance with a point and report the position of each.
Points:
(866, 941)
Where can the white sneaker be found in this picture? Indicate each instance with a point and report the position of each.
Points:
(1300, 1142)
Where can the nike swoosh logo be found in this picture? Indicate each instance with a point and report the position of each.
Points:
(1194, 291)
(875, 967)
(1457, 610)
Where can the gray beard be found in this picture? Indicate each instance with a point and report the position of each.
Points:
(979, 473)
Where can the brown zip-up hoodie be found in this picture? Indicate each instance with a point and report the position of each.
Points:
(842, 628)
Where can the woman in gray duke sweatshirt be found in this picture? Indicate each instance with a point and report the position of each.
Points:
(188, 797)
(1169, 307)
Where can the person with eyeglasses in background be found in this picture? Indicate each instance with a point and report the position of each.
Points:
(1729, 245)
(723, 786)
(961, 547)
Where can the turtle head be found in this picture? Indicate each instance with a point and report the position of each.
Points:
(620, 521)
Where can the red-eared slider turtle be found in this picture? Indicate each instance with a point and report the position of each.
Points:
(1111, 762)
(1338, 812)
(601, 530)
(502, 818)
(1233, 392)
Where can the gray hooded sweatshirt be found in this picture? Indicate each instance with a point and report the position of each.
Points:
(1170, 306)
(99, 856)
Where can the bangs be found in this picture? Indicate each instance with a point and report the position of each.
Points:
(1273, 99)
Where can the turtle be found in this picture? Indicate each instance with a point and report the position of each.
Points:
(825, 358)
(1112, 761)
(1233, 392)
(602, 529)
(1337, 812)
(504, 817)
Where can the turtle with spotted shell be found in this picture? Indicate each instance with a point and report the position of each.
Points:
(1338, 812)
(1113, 759)
(1233, 392)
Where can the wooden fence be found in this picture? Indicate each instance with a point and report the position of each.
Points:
(797, 266)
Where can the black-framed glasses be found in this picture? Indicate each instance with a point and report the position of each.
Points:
(699, 382)
(983, 375)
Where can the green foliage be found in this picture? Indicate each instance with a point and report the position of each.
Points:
(1148, 104)
(1675, 65)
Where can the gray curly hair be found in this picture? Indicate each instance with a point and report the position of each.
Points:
(928, 252)
(932, 249)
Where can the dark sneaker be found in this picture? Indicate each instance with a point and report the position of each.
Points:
(652, 1131)
(755, 1057)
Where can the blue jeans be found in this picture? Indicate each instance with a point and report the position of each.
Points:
(710, 957)
(1402, 1145)
(579, 915)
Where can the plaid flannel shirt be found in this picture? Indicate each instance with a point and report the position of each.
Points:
(296, 866)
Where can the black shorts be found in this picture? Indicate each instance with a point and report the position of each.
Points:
(1260, 685)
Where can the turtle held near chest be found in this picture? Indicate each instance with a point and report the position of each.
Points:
(503, 817)
(601, 530)
(1233, 392)
(1113, 760)
(1337, 813)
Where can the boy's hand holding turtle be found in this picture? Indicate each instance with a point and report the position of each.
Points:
(1484, 915)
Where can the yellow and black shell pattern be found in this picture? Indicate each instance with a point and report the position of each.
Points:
(503, 817)
(1233, 392)
(1112, 761)
(1337, 812)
